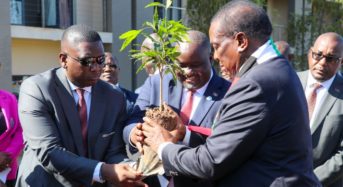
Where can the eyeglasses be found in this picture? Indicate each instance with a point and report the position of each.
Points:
(89, 61)
(111, 66)
(328, 59)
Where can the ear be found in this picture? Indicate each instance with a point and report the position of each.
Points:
(242, 41)
(63, 60)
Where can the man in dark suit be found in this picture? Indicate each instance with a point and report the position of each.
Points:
(208, 89)
(70, 137)
(110, 74)
(261, 136)
(326, 122)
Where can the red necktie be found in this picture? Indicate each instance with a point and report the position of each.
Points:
(82, 109)
(311, 100)
(186, 109)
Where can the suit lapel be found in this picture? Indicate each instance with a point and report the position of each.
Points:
(248, 64)
(334, 92)
(174, 93)
(96, 115)
(69, 108)
(303, 78)
(207, 100)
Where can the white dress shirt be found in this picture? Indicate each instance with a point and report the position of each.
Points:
(321, 93)
(87, 95)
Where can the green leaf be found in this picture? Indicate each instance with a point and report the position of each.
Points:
(128, 37)
(152, 25)
(169, 3)
(155, 4)
(155, 19)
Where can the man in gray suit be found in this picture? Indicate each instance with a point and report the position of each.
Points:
(72, 121)
(326, 123)
(208, 87)
(110, 74)
(261, 136)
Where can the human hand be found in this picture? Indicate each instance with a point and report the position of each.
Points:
(137, 137)
(155, 134)
(5, 160)
(122, 175)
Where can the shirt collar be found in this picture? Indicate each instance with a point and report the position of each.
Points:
(326, 84)
(265, 52)
(73, 87)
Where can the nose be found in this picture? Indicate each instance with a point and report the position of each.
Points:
(106, 68)
(322, 61)
(215, 56)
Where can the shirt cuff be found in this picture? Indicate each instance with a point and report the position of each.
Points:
(187, 137)
(97, 173)
(160, 149)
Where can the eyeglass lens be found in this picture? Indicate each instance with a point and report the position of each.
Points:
(319, 56)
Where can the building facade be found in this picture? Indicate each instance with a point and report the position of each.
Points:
(30, 31)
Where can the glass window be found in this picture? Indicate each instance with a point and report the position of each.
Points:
(42, 13)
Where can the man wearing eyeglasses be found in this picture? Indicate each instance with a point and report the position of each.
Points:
(323, 85)
(72, 121)
(110, 74)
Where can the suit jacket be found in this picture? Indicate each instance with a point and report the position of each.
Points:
(11, 141)
(129, 96)
(261, 137)
(327, 134)
(172, 95)
(54, 151)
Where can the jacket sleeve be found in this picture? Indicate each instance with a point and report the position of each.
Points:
(240, 128)
(331, 170)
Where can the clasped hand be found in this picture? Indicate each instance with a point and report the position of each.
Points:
(153, 134)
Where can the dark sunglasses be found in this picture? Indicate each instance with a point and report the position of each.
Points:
(328, 59)
(89, 61)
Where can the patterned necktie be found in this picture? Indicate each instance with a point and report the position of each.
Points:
(311, 100)
(186, 109)
(82, 109)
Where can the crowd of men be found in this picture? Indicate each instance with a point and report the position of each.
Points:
(264, 125)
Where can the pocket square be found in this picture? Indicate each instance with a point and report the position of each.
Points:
(108, 134)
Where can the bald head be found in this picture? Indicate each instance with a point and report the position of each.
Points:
(333, 39)
(79, 33)
(326, 56)
(196, 38)
(244, 16)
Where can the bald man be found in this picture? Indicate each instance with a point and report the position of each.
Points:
(208, 90)
(261, 136)
(326, 117)
(71, 138)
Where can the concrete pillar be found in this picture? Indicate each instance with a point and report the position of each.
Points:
(5, 47)
(127, 15)
(278, 11)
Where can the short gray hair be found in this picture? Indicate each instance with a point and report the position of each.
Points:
(244, 16)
